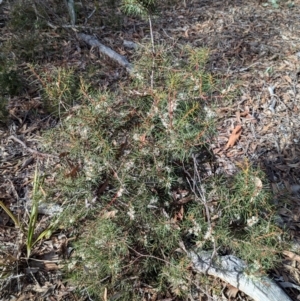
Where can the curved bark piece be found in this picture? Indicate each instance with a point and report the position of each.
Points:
(231, 269)
(120, 59)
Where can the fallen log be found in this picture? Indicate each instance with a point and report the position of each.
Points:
(232, 270)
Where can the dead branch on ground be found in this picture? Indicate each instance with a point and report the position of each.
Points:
(120, 59)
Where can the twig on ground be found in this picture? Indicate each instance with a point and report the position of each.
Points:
(90, 15)
(71, 9)
(149, 256)
(198, 190)
(35, 152)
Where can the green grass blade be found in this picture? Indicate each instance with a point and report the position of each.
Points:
(33, 213)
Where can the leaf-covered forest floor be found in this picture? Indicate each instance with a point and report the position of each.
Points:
(254, 54)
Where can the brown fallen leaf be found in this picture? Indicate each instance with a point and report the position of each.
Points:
(235, 135)
(232, 291)
(238, 116)
(110, 214)
(291, 255)
(74, 172)
(244, 113)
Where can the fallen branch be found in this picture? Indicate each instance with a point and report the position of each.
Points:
(120, 59)
(232, 270)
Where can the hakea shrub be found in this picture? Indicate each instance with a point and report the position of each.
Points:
(126, 162)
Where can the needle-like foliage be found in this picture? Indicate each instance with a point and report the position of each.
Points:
(130, 183)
